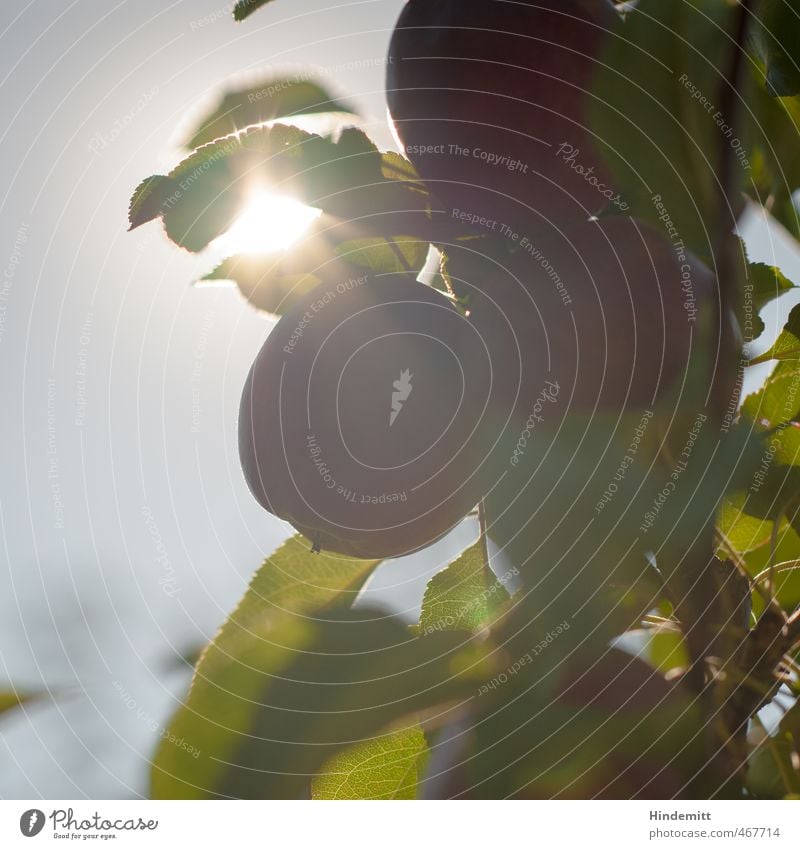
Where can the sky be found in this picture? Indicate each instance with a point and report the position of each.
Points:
(127, 530)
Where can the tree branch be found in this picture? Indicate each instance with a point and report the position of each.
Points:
(724, 260)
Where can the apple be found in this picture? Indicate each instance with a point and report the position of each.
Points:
(610, 311)
(607, 334)
(489, 101)
(363, 419)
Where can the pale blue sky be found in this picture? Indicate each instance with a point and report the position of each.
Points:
(108, 499)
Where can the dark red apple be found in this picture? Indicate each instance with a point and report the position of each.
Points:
(489, 100)
(610, 311)
(363, 418)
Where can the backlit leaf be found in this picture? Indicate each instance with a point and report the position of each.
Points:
(742, 531)
(293, 579)
(268, 100)
(386, 255)
(11, 699)
(463, 596)
(388, 767)
(294, 677)
(777, 39)
(148, 199)
(787, 345)
(244, 8)
(768, 283)
(271, 705)
(201, 198)
(774, 173)
(290, 581)
(263, 282)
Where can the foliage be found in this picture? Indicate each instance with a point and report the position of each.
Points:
(301, 694)
(9, 700)
(244, 8)
(266, 100)
(344, 177)
(293, 676)
(389, 767)
(777, 40)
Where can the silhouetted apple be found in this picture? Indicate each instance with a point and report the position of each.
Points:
(362, 420)
(489, 101)
(610, 310)
(607, 335)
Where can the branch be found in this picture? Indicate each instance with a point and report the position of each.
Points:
(731, 101)
(484, 536)
(730, 106)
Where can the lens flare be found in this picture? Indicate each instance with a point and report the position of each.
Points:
(270, 222)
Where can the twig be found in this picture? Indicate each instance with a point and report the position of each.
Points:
(793, 629)
(735, 558)
(484, 537)
(730, 107)
(769, 742)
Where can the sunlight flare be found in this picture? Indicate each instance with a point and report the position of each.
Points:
(269, 222)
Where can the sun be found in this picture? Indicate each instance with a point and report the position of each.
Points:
(270, 222)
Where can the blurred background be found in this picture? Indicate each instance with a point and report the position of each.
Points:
(128, 533)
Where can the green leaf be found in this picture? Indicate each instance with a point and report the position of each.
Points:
(457, 270)
(355, 142)
(268, 100)
(290, 581)
(787, 345)
(778, 401)
(397, 167)
(773, 412)
(294, 677)
(764, 283)
(11, 699)
(786, 582)
(273, 282)
(388, 767)
(244, 8)
(742, 531)
(774, 175)
(462, 597)
(386, 255)
(271, 706)
(777, 40)
(770, 771)
(597, 725)
(213, 183)
(295, 580)
(344, 178)
(148, 200)
(665, 62)
(792, 513)
(263, 281)
(768, 283)
(665, 649)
